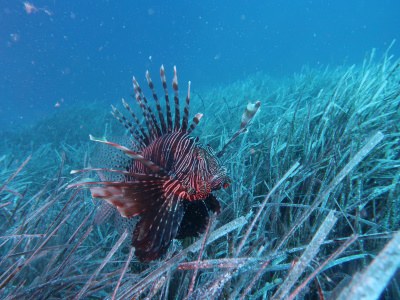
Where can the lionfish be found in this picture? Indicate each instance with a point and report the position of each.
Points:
(169, 177)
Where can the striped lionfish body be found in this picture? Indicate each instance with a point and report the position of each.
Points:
(170, 176)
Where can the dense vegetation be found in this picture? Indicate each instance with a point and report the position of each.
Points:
(314, 198)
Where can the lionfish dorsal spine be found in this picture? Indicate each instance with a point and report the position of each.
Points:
(143, 137)
(186, 110)
(167, 104)
(150, 119)
(156, 129)
(176, 100)
(166, 123)
(138, 139)
(158, 106)
(195, 121)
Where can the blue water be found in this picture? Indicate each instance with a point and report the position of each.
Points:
(63, 53)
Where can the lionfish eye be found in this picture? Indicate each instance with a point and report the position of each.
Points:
(226, 185)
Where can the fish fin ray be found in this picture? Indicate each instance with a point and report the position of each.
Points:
(156, 229)
(177, 125)
(158, 106)
(186, 110)
(167, 102)
(132, 154)
(130, 198)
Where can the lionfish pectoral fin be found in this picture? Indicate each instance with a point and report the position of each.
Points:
(130, 198)
(157, 228)
(132, 154)
(196, 217)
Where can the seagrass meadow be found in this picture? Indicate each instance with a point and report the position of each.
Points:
(312, 212)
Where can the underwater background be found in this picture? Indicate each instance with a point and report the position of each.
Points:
(313, 207)
(78, 52)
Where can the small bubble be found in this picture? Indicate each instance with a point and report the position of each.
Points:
(15, 37)
(30, 8)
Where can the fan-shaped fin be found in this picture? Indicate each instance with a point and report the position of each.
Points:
(138, 140)
(155, 127)
(131, 198)
(156, 229)
(154, 130)
(153, 121)
(142, 131)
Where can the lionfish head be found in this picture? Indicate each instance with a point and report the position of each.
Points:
(205, 173)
